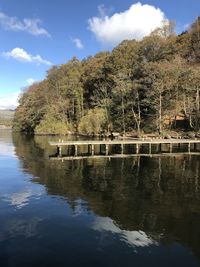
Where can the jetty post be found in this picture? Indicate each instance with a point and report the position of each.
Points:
(137, 143)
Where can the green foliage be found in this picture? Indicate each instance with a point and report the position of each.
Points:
(136, 87)
(93, 122)
(195, 39)
(51, 126)
(32, 107)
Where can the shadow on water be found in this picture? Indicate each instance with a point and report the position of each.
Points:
(159, 195)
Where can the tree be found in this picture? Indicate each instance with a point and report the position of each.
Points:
(193, 84)
(194, 30)
(160, 82)
(31, 109)
(93, 122)
(136, 86)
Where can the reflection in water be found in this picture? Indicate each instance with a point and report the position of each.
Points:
(21, 227)
(6, 150)
(6, 147)
(133, 238)
(142, 206)
(21, 199)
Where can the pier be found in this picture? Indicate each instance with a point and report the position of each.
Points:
(98, 148)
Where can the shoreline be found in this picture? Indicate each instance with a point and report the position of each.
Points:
(190, 135)
(4, 127)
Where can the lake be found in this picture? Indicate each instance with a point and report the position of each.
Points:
(140, 211)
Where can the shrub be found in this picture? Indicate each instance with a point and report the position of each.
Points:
(93, 122)
(52, 126)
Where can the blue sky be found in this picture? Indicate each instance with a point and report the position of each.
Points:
(36, 34)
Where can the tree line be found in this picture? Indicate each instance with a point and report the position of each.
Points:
(150, 85)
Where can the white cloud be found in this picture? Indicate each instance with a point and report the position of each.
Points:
(18, 54)
(21, 55)
(135, 23)
(103, 11)
(186, 26)
(31, 26)
(30, 81)
(10, 101)
(78, 43)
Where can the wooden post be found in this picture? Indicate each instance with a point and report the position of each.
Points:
(195, 147)
(189, 148)
(149, 148)
(100, 149)
(122, 148)
(170, 147)
(137, 149)
(88, 149)
(106, 150)
(76, 150)
(60, 151)
(92, 146)
(160, 147)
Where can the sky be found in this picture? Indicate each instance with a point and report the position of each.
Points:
(37, 34)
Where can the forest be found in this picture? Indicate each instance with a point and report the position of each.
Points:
(147, 86)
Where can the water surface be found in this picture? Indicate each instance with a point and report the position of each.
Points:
(141, 211)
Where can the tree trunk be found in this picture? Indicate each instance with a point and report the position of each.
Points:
(160, 114)
(123, 116)
(107, 118)
(190, 114)
(137, 116)
(197, 99)
(184, 104)
(139, 113)
(197, 109)
(137, 121)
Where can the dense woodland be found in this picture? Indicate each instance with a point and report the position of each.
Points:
(143, 86)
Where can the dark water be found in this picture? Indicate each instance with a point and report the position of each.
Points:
(98, 212)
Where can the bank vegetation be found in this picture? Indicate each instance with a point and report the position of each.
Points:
(147, 86)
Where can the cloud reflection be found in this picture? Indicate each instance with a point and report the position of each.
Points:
(7, 150)
(20, 227)
(133, 238)
(21, 199)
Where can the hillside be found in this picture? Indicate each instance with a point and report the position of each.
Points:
(6, 114)
(6, 117)
(149, 86)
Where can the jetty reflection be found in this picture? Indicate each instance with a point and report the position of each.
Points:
(158, 196)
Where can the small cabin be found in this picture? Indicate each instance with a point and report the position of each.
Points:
(177, 121)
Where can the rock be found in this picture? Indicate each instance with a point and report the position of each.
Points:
(191, 135)
(197, 135)
(115, 134)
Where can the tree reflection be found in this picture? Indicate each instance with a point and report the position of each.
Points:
(158, 195)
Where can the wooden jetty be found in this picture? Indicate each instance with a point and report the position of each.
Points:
(123, 156)
(137, 144)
